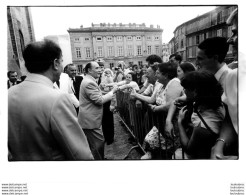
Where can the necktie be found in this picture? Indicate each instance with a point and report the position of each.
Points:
(58, 83)
(73, 84)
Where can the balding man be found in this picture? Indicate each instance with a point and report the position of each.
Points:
(91, 103)
(42, 122)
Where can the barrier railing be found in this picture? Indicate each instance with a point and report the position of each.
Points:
(139, 120)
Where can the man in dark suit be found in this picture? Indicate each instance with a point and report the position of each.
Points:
(12, 75)
(75, 80)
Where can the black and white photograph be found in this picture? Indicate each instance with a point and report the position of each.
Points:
(122, 98)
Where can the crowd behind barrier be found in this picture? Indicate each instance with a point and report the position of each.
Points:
(139, 120)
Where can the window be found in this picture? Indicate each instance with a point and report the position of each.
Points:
(119, 38)
(87, 52)
(109, 38)
(229, 33)
(120, 51)
(219, 33)
(148, 38)
(156, 37)
(99, 51)
(99, 38)
(190, 41)
(76, 39)
(110, 51)
(129, 50)
(140, 63)
(78, 52)
(190, 52)
(149, 50)
(129, 38)
(182, 43)
(139, 50)
(219, 17)
(138, 38)
(111, 65)
(80, 68)
(157, 50)
(205, 36)
(22, 43)
(197, 39)
(87, 38)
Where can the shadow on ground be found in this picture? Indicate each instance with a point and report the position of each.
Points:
(122, 144)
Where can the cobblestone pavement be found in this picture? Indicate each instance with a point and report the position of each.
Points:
(121, 146)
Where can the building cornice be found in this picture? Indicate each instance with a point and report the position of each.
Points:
(103, 29)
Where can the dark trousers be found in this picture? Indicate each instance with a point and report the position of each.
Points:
(96, 142)
(108, 124)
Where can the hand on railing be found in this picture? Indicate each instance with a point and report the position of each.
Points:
(133, 94)
(152, 107)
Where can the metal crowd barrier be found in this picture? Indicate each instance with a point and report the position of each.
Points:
(139, 120)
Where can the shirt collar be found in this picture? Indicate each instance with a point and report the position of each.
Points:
(91, 77)
(219, 73)
(38, 78)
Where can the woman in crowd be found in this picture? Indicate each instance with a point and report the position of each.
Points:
(144, 70)
(107, 78)
(119, 75)
(170, 90)
(108, 118)
(182, 70)
(126, 84)
(199, 125)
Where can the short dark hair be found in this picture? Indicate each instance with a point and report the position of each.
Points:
(87, 66)
(134, 65)
(10, 72)
(208, 89)
(176, 56)
(131, 73)
(68, 65)
(40, 55)
(100, 64)
(187, 67)
(153, 58)
(169, 69)
(215, 46)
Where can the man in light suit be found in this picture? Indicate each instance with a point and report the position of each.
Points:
(42, 122)
(91, 103)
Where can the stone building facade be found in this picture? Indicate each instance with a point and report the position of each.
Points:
(20, 33)
(64, 42)
(165, 52)
(188, 35)
(130, 43)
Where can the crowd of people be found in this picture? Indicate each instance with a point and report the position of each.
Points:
(54, 114)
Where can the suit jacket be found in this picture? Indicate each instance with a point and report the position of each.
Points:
(91, 103)
(8, 83)
(42, 123)
(78, 80)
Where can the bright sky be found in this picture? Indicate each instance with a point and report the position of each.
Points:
(57, 20)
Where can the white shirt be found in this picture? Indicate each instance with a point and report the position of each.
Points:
(66, 85)
(228, 80)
